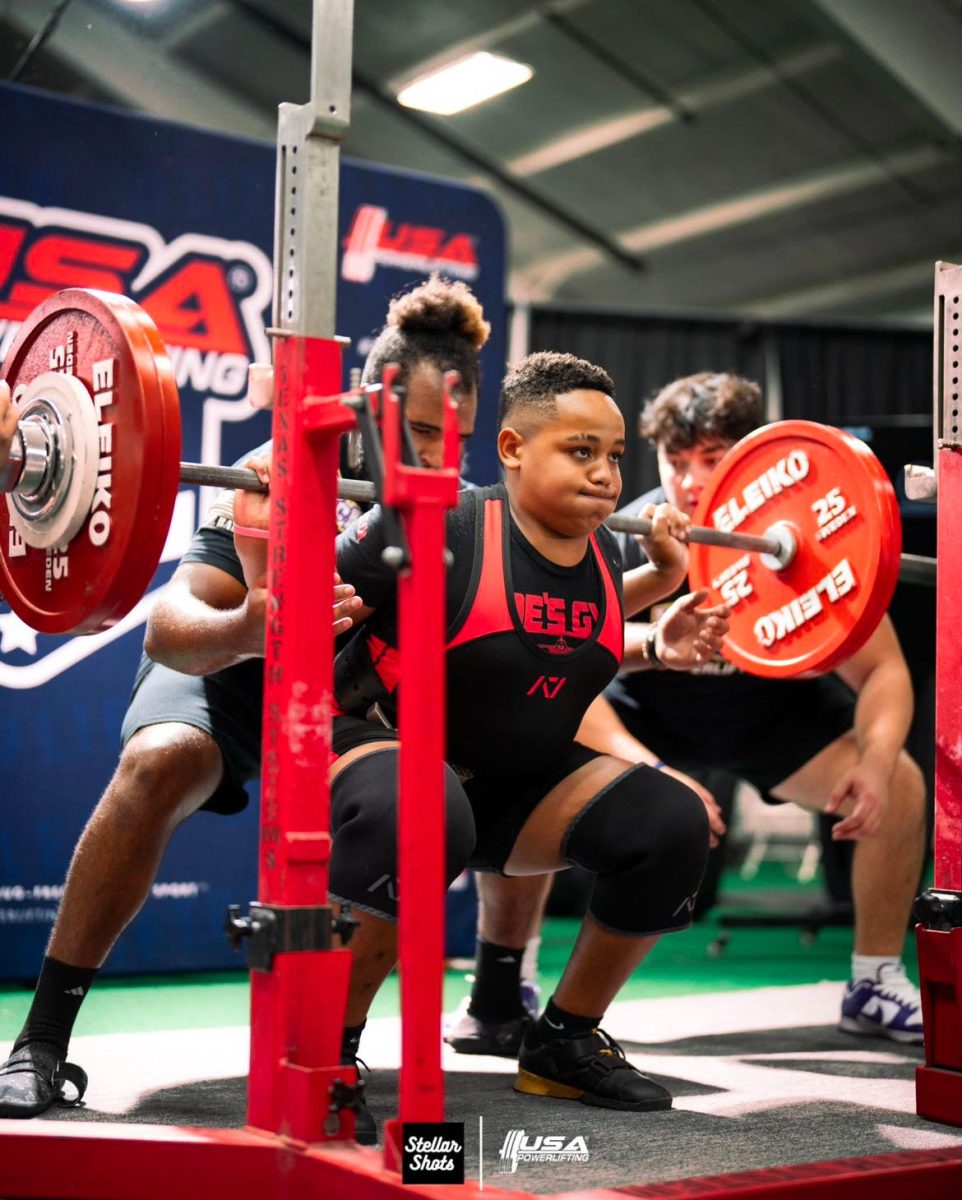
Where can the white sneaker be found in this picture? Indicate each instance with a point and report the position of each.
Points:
(889, 1006)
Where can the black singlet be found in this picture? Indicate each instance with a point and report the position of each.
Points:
(529, 644)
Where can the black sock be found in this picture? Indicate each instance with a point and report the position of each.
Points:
(555, 1023)
(496, 994)
(56, 1002)
(351, 1041)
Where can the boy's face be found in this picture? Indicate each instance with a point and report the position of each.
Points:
(568, 468)
(422, 407)
(684, 473)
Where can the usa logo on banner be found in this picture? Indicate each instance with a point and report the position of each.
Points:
(181, 220)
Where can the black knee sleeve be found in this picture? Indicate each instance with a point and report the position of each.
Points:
(363, 869)
(646, 838)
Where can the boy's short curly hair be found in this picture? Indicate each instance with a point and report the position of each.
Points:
(701, 407)
(440, 321)
(532, 385)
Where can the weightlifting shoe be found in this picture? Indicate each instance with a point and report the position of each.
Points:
(591, 1069)
(889, 1006)
(472, 1035)
(33, 1078)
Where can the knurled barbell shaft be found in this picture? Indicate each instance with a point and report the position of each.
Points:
(758, 544)
(915, 568)
(244, 479)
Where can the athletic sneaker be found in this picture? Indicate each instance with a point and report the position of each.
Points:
(531, 998)
(591, 1069)
(471, 1035)
(33, 1078)
(889, 1006)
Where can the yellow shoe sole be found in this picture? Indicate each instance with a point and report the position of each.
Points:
(537, 1085)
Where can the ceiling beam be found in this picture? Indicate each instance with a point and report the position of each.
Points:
(710, 93)
(542, 279)
(845, 291)
(919, 44)
(138, 74)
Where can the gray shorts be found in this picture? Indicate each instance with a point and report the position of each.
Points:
(226, 705)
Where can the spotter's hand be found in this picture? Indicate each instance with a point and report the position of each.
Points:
(687, 635)
(346, 604)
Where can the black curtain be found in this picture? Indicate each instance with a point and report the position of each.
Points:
(841, 376)
(641, 354)
(835, 375)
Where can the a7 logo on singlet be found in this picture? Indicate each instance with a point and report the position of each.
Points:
(548, 686)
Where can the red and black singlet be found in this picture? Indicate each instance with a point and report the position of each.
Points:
(529, 644)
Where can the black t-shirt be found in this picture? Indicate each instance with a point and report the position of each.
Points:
(557, 606)
(710, 695)
(529, 643)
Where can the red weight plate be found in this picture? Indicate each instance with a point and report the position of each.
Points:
(113, 347)
(831, 489)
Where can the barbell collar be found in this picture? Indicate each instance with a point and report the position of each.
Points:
(12, 469)
(29, 460)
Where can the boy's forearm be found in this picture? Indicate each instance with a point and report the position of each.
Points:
(647, 584)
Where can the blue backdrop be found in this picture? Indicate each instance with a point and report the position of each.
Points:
(182, 221)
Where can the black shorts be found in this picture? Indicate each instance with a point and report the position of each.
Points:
(227, 706)
(801, 718)
(501, 804)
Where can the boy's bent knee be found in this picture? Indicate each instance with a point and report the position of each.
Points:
(364, 824)
(646, 838)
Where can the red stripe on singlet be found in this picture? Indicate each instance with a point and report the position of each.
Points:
(612, 635)
(489, 611)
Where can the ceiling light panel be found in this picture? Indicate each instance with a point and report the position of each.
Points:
(463, 84)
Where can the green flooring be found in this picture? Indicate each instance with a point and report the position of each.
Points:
(680, 964)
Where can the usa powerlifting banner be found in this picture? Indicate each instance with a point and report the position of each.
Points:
(182, 221)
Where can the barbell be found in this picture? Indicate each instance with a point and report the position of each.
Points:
(94, 471)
